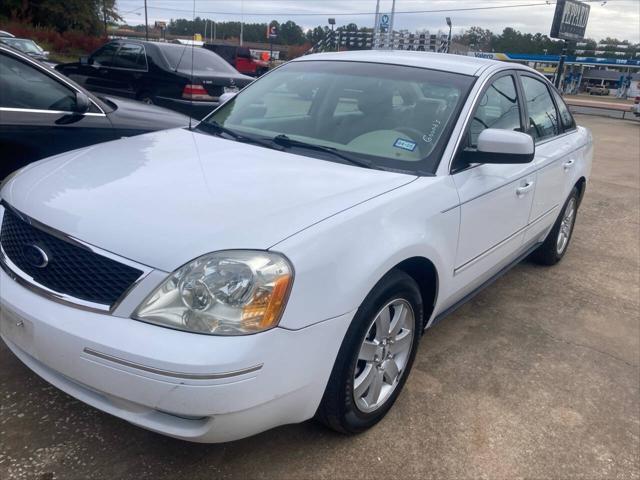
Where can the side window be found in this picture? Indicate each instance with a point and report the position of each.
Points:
(23, 86)
(543, 118)
(498, 108)
(131, 56)
(565, 115)
(104, 55)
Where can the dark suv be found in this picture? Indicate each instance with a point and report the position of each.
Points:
(180, 77)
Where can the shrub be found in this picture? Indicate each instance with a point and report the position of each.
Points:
(67, 43)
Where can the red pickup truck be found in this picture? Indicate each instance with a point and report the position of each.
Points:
(240, 58)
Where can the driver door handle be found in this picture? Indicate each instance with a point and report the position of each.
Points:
(524, 189)
(569, 164)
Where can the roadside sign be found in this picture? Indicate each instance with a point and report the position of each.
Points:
(272, 31)
(384, 23)
(570, 20)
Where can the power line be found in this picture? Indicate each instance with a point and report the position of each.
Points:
(323, 14)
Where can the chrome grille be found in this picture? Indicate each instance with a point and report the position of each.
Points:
(70, 269)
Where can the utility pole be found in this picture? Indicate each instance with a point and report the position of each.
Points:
(241, 21)
(376, 24)
(104, 16)
(449, 38)
(393, 14)
(146, 22)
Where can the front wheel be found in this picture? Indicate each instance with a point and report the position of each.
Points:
(557, 242)
(375, 357)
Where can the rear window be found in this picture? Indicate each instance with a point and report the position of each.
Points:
(182, 57)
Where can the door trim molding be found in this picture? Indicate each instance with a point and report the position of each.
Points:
(490, 250)
(56, 112)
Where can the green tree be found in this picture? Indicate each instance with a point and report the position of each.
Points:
(89, 16)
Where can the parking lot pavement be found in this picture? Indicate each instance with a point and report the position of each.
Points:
(537, 377)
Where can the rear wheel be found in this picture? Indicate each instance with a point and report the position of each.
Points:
(557, 242)
(375, 357)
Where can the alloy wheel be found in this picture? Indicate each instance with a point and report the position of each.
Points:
(383, 355)
(566, 226)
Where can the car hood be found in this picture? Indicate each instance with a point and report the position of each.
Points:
(167, 197)
(134, 115)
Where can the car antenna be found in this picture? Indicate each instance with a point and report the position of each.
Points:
(193, 40)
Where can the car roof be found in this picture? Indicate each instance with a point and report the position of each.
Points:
(435, 61)
(150, 43)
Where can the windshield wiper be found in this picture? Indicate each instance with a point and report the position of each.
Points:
(215, 128)
(288, 142)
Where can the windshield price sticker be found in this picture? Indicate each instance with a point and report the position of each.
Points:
(405, 144)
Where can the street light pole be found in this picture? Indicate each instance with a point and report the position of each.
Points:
(332, 22)
(393, 14)
(376, 24)
(146, 22)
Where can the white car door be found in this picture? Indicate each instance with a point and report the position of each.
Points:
(495, 199)
(555, 153)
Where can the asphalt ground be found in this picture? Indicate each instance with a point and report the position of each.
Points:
(537, 377)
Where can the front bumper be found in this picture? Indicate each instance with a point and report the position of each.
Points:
(194, 387)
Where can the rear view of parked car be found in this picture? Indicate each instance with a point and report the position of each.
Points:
(180, 77)
(43, 113)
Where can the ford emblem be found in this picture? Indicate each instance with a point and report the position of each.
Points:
(35, 255)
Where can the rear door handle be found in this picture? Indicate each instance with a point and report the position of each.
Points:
(569, 164)
(524, 189)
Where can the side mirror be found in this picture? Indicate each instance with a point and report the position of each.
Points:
(84, 60)
(502, 146)
(225, 97)
(81, 104)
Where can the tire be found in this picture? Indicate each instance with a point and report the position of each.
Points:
(342, 408)
(145, 96)
(556, 244)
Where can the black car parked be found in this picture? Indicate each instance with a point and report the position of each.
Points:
(180, 77)
(43, 113)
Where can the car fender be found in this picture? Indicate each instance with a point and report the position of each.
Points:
(340, 259)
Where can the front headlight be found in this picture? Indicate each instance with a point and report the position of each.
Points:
(233, 292)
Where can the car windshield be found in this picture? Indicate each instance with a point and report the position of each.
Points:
(387, 116)
(26, 46)
(182, 57)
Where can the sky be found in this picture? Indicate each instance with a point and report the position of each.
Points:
(613, 18)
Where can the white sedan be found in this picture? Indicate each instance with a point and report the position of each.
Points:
(280, 260)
